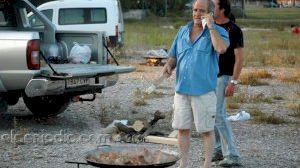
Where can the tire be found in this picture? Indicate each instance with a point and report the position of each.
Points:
(12, 100)
(3, 106)
(47, 106)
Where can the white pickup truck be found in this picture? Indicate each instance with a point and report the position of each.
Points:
(27, 68)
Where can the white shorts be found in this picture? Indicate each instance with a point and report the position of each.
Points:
(200, 109)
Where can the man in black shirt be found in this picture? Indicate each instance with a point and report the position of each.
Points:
(230, 66)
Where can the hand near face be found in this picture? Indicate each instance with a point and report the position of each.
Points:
(209, 19)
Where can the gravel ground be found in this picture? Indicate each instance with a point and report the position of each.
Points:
(47, 144)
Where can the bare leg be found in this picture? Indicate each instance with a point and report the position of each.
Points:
(208, 138)
(184, 144)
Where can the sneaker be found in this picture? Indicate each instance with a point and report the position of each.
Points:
(228, 162)
(217, 156)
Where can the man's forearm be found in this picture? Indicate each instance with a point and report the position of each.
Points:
(238, 63)
(219, 44)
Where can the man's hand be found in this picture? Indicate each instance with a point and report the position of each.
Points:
(169, 66)
(209, 19)
(167, 70)
(229, 90)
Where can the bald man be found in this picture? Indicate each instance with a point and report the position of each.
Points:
(194, 53)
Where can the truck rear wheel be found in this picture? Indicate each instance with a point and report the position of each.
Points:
(47, 106)
(3, 106)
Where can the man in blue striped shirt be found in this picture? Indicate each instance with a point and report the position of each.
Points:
(194, 53)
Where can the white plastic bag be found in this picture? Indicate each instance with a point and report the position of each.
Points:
(241, 116)
(80, 54)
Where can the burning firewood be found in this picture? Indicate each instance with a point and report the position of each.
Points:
(129, 134)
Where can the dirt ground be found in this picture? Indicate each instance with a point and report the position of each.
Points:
(50, 142)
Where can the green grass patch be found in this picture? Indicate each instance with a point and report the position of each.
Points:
(238, 98)
(253, 77)
(297, 93)
(295, 107)
(233, 105)
(150, 33)
(246, 98)
(291, 77)
(296, 114)
(269, 24)
(140, 102)
(259, 98)
(274, 18)
(276, 48)
(259, 117)
(273, 13)
(251, 80)
(144, 95)
(277, 97)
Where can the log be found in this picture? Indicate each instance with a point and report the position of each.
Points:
(161, 140)
(138, 125)
(123, 128)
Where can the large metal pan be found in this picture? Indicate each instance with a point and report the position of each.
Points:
(120, 156)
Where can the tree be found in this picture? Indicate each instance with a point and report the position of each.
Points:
(294, 3)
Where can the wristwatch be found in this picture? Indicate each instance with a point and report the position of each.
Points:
(235, 82)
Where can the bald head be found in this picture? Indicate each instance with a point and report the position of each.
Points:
(210, 5)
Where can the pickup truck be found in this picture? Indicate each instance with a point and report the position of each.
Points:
(27, 68)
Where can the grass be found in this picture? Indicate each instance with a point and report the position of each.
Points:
(277, 97)
(140, 68)
(262, 73)
(277, 47)
(260, 98)
(149, 34)
(261, 48)
(267, 23)
(295, 107)
(144, 95)
(246, 98)
(270, 17)
(297, 93)
(253, 77)
(259, 117)
(140, 102)
(291, 77)
(232, 105)
(238, 98)
(273, 13)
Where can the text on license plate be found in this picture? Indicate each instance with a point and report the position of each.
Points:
(78, 82)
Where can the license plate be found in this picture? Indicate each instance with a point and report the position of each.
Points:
(78, 82)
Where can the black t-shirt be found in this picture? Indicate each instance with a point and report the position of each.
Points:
(227, 60)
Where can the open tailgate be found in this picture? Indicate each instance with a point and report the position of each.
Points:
(84, 70)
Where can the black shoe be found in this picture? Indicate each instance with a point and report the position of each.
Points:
(229, 162)
(217, 156)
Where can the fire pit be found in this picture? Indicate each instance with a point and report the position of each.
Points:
(125, 156)
(154, 60)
